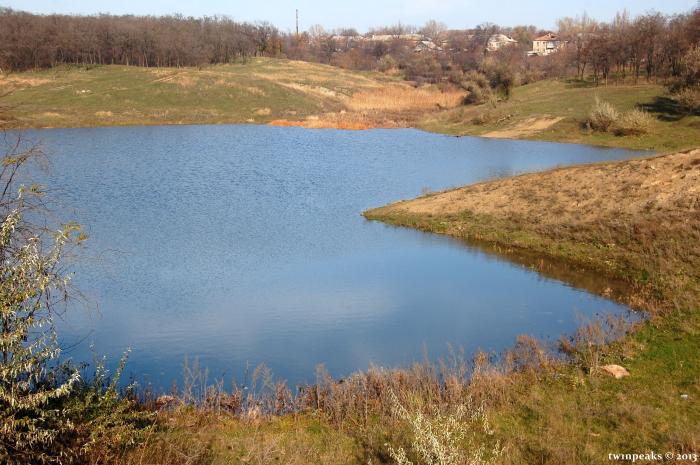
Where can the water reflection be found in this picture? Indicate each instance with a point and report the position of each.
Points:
(245, 244)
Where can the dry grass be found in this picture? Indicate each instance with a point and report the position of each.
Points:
(385, 107)
(18, 81)
(404, 98)
(345, 121)
(634, 123)
(581, 194)
(354, 121)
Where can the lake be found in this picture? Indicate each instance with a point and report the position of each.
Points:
(244, 244)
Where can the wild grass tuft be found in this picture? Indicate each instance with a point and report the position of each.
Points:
(634, 123)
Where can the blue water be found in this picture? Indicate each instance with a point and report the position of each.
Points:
(240, 245)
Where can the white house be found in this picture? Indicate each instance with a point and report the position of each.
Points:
(546, 44)
(498, 41)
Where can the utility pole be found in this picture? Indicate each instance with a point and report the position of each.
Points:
(297, 22)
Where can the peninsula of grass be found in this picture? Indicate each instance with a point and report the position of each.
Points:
(636, 220)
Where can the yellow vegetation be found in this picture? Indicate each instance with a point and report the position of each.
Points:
(404, 98)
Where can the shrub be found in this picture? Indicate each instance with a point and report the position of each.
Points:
(500, 76)
(634, 122)
(476, 77)
(32, 383)
(476, 95)
(686, 87)
(48, 413)
(386, 64)
(455, 76)
(454, 438)
(477, 87)
(603, 116)
(689, 99)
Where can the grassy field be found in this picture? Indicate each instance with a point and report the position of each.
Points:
(556, 111)
(637, 220)
(287, 93)
(257, 91)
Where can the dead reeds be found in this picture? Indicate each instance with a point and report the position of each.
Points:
(405, 98)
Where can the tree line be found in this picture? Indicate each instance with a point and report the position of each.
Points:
(29, 41)
(651, 45)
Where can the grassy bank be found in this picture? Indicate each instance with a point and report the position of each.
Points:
(257, 91)
(637, 220)
(556, 111)
(293, 93)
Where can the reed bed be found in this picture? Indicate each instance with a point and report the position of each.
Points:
(404, 98)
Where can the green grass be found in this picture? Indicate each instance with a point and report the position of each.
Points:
(262, 90)
(257, 91)
(572, 101)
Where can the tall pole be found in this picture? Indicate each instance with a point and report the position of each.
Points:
(297, 22)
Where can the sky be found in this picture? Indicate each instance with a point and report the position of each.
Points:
(365, 14)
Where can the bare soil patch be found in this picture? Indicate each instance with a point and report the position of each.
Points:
(529, 127)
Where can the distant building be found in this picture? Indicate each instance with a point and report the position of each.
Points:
(427, 45)
(498, 41)
(546, 44)
(390, 37)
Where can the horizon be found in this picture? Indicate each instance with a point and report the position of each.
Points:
(389, 12)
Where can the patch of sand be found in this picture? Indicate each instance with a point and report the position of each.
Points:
(529, 127)
(22, 81)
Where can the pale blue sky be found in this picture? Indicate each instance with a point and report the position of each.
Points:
(363, 14)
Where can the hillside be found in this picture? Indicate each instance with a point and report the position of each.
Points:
(556, 111)
(257, 91)
(295, 93)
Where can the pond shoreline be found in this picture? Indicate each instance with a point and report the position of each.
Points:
(281, 92)
(636, 220)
